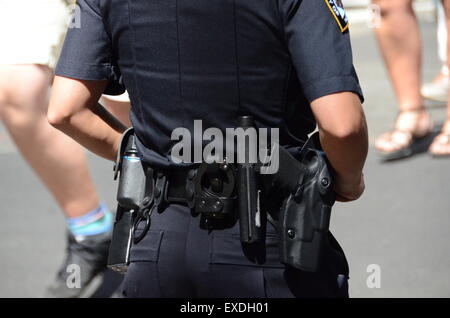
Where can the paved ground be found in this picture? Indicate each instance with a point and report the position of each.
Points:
(402, 224)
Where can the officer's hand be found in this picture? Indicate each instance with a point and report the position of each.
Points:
(347, 191)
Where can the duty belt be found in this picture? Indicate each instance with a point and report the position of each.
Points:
(208, 188)
(304, 181)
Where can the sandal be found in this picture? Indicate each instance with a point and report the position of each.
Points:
(401, 142)
(442, 141)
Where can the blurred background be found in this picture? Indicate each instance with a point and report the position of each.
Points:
(401, 225)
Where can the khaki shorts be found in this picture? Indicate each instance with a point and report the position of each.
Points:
(32, 31)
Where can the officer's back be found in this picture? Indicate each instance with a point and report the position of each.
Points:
(215, 59)
(280, 61)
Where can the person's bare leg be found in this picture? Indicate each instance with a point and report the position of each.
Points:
(446, 4)
(437, 89)
(441, 144)
(58, 160)
(399, 39)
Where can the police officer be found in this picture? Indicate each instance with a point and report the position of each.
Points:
(287, 63)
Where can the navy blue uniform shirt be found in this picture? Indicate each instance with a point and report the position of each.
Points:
(182, 60)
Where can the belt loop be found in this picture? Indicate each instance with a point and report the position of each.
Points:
(190, 188)
(160, 191)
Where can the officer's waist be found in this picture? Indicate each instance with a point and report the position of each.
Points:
(174, 188)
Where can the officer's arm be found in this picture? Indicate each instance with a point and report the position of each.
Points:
(75, 111)
(343, 133)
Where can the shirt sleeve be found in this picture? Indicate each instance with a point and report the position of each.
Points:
(319, 43)
(87, 53)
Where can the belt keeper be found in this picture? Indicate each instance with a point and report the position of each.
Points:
(190, 188)
(160, 190)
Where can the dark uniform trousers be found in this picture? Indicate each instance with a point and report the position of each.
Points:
(178, 258)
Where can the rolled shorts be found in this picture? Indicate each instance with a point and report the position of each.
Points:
(32, 31)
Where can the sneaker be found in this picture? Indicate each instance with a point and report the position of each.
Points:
(81, 273)
(437, 90)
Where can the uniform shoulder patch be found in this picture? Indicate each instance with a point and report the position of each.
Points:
(337, 10)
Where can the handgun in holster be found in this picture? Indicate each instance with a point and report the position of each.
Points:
(130, 194)
(304, 218)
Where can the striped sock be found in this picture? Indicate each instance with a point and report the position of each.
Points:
(95, 222)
